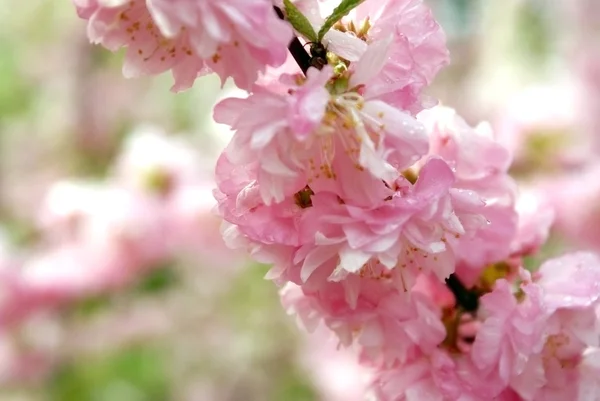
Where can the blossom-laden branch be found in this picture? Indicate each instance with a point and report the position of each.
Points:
(468, 300)
(393, 225)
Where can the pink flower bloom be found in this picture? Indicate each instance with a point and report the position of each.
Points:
(589, 374)
(107, 217)
(385, 325)
(403, 328)
(539, 127)
(560, 372)
(413, 231)
(543, 337)
(411, 382)
(512, 330)
(417, 49)
(313, 137)
(240, 203)
(72, 272)
(436, 376)
(481, 166)
(536, 217)
(574, 198)
(66, 205)
(153, 162)
(570, 281)
(418, 52)
(190, 37)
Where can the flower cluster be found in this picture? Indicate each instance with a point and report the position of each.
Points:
(392, 223)
(95, 237)
(189, 37)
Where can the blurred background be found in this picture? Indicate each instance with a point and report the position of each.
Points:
(115, 284)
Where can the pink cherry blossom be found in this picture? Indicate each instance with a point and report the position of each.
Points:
(190, 37)
(539, 127)
(512, 330)
(240, 203)
(437, 376)
(589, 372)
(313, 137)
(545, 333)
(380, 219)
(417, 49)
(480, 165)
(409, 382)
(418, 52)
(414, 230)
(570, 281)
(152, 161)
(575, 206)
(384, 325)
(536, 217)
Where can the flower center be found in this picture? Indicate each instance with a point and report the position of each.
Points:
(359, 31)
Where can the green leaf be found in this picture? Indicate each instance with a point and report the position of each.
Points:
(299, 21)
(340, 11)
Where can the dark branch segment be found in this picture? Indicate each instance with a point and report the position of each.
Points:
(295, 47)
(467, 300)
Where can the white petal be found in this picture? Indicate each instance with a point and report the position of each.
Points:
(371, 62)
(345, 45)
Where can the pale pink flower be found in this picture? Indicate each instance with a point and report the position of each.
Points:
(413, 231)
(401, 329)
(66, 206)
(589, 374)
(409, 382)
(480, 165)
(565, 297)
(536, 217)
(108, 246)
(574, 198)
(48, 278)
(154, 162)
(190, 37)
(417, 49)
(570, 281)
(537, 339)
(270, 139)
(370, 314)
(240, 202)
(105, 216)
(129, 223)
(437, 377)
(512, 329)
(315, 137)
(71, 272)
(539, 127)
(418, 52)
(560, 371)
